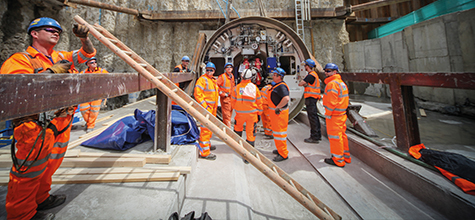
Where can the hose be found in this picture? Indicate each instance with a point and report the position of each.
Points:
(217, 2)
(239, 16)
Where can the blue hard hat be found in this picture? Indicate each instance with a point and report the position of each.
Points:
(186, 58)
(92, 58)
(228, 64)
(42, 22)
(331, 66)
(310, 63)
(279, 71)
(210, 65)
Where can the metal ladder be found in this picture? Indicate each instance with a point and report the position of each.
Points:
(258, 160)
(299, 19)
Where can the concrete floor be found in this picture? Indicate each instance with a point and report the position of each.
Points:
(229, 189)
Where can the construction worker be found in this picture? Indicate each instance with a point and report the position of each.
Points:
(247, 102)
(265, 111)
(182, 68)
(335, 101)
(279, 113)
(226, 85)
(41, 143)
(90, 110)
(312, 95)
(206, 93)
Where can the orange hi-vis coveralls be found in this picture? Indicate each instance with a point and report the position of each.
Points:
(247, 102)
(265, 110)
(90, 110)
(29, 188)
(335, 101)
(226, 85)
(279, 122)
(206, 93)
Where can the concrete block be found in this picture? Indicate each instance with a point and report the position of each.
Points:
(394, 53)
(430, 64)
(467, 39)
(430, 39)
(354, 56)
(378, 90)
(372, 54)
(462, 95)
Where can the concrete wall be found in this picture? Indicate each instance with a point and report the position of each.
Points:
(443, 44)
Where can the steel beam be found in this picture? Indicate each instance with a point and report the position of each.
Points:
(163, 123)
(27, 94)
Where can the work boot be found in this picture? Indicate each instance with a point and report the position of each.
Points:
(311, 140)
(51, 202)
(331, 162)
(212, 147)
(43, 216)
(268, 136)
(209, 157)
(279, 158)
(89, 130)
(275, 152)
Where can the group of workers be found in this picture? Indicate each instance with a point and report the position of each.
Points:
(42, 139)
(271, 103)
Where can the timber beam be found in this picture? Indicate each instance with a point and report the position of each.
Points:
(27, 94)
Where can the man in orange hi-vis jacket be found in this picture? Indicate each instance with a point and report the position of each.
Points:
(279, 113)
(265, 111)
(335, 101)
(226, 85)
(206, 93)
(30, 176)
(247, 102)
(90, 110)
(312, 95)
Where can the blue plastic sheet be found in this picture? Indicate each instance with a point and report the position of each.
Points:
(130, 131)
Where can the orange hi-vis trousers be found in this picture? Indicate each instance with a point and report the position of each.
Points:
(63, 125)
(266, 120)
(336, 128)
(21, 202)
(279, 125)
(205, 135)
(226, 110)
(90, 111)
(250, 120)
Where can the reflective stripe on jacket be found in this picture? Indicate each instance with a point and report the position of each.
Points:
(206, 91)
(265, 94)
(96, 70)
(269, 101)
(22, 63)
(335, 99)
(313, 90)
(246, 98)
(226, 84)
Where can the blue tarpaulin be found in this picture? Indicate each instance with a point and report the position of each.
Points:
(130, 131)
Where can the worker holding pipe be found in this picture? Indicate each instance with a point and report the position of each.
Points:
(247, 102)
(266, 123)
(335, 101)
(226, 85)
(312, 95)
(279, 115)
(41, 142)
(206, 93)
(90, 110)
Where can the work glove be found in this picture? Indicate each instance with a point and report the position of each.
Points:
(80, 31)
(61, 67)
(277, 111)
(65, 111)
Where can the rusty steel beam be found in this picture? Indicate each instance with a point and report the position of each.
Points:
(369, 5)
(97, 4)
(26, 94)
(444, 80)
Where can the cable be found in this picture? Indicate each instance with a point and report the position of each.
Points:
(217, 2)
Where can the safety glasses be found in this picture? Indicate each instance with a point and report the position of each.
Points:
(327, 71)
(52, 30)
(92, 62)
(209, 70)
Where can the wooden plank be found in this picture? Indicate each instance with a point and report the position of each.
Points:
(149, 158)
(5, 151)
(109, 178)
(92, 162)
(423, 112)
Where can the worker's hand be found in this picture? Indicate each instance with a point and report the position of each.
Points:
(80, 30)
(64, 112)
(277, 111)
(61, 67)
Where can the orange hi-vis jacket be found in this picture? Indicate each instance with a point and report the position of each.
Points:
(246, 98)
(313, 90)
(33, 61)
(226, 84)
(265, 95)
(96, 70)
(206, 93)
(336, 97)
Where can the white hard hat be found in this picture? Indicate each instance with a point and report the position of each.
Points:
(248, 74)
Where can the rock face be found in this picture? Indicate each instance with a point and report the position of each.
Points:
(162, 44)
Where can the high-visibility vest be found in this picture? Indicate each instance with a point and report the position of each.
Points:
(271, 104)
(335, 99)
(96, 70)
(313, 90)
(33, 61)
(225, 83)
(246, 98)
(206, 91)
(181, 69)
(265, 94)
